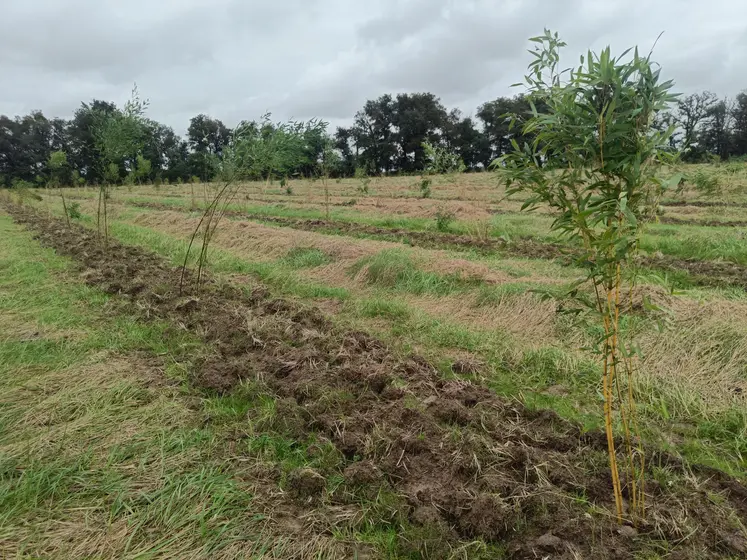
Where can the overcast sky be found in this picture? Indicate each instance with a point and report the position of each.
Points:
(236, 59)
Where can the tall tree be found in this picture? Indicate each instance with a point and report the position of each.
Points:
(83, 152)
(374, 136)
(343, 141)
(739, 114)
(502, 120)
(471, 144)
(692, 110)
(417, 118)
(715, 136)
(207, 138)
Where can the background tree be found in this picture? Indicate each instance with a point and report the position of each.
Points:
(739, 116)
(374, 136)
(343, 143)
(60, 173)
(84, 151)
(207, 137)
(497, 117)
(715, 136)
(25, 146)
(692, 110)
(386, 136)
(463, 137)
(416, 118)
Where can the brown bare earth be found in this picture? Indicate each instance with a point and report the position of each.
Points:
(708, 223)
(703, 203)
(467, 464)
(689, 362)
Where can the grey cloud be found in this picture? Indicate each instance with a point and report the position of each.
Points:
(236, 59)
(96, 41)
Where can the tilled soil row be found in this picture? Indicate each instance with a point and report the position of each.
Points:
(703, 203)
(468, 464)
(703, 273)
(701, 223)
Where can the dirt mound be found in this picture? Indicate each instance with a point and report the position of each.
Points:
(468, 464)
(707, 223)
(702, 203)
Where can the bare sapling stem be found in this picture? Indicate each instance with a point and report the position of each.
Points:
(98, 215)
(608, 381)
(203, 225)
(265, 187)
(106, 218)
(64, 208)
(326, 196)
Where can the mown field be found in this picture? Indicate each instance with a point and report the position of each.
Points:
(366, 374)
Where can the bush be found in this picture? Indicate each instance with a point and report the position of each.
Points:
(20, 184)
(425, 187)
(73, 211)
(441, 161)
(364, 180)
(444, 217)
(734, 168)
(705, 183)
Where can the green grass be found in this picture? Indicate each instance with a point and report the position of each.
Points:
(697, 242)
(306, 257)
(513, 369)
(93, 442)
(66, 471)
(280, 273)
(397, 270)
(90, 446)
(681, 241)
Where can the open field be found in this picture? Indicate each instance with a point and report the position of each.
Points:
(360, 378)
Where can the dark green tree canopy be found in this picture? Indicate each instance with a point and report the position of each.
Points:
(385, 136)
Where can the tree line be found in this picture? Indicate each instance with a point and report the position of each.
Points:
(387, 136)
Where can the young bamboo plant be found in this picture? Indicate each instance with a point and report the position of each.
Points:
(439, 161)
(59, 170)
(590, 153)
(328, 159)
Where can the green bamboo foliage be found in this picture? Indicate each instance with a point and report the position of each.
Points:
(595, 160)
